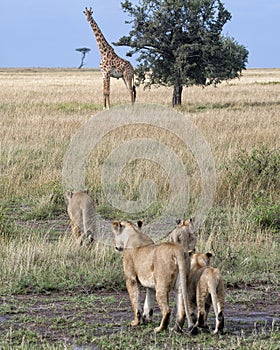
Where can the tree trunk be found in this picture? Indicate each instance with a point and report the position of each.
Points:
(82, 60)
(177, 95)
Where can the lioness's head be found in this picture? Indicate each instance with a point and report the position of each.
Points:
(183, 234)
(69, 194)
(199, 260)
(123, 232)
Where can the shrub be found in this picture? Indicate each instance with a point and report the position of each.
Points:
(253, 175)
(265, 212)
(253, 182)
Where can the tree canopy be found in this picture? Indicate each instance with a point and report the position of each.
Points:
(180, 43)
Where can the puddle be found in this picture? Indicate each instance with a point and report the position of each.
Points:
(4, 318)
(254, 318)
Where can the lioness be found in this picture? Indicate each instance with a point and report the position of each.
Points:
(205, 287)
(183, 234)
(81, 211)
(158, 267)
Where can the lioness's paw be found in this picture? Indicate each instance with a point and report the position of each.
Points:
(194, 330)
(158, 329)
(176, 329)
(205, 329)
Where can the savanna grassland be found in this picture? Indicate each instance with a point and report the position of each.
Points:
(57, 296)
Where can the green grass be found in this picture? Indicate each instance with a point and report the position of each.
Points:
(47, 265)
(262, 339)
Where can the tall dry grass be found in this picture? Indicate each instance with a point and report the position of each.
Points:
(32, 263)
(41, 109)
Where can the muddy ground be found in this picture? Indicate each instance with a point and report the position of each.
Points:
(79, 319)
(82, 319)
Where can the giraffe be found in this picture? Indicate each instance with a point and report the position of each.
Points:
(111, 64)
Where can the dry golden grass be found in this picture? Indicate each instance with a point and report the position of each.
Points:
(42, 108)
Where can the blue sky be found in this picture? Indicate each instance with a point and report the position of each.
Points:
(46, 33)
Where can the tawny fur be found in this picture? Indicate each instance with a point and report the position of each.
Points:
(157, 267)
(183, 234)
(81, 211)
(205, 288)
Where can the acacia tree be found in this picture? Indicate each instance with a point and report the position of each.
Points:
(180, 43)
(84, 51)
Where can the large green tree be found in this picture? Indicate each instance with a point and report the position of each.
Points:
(180, 43)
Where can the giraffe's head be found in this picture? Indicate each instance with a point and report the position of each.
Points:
(88, 13)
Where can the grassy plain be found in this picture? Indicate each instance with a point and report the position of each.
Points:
(41, 109)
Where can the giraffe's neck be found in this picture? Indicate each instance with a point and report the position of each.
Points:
(103, 46)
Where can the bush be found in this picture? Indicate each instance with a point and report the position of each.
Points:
(252, 181)
(265, 212)
(252, 175)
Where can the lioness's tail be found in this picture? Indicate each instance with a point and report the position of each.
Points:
(89, 221)
(183, 281)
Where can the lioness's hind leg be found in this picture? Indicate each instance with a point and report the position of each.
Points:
(192, 309)
(221, 306)
(201, 299)
(163, 303)
(76, 231)
(149, 305)
(220, 322)
(207, 309)
(88, 239)
(134, 295)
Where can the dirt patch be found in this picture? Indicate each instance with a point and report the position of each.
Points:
(82, 318)
(250, 308)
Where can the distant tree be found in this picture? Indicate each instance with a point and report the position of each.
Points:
(180, 43)
(83, 51)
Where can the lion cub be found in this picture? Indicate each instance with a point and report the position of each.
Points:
(205, 287)
(183, 234)
(81, 211)
(157, 267)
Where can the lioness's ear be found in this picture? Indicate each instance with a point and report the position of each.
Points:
(68, 194)
(191, 252)
(191, 225)
(139, 223)
(116, 226)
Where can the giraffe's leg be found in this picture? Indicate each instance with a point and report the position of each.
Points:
(106, 91)
(128, 80)
(132, 91)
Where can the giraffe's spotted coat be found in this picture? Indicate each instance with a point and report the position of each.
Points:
(111, 64)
